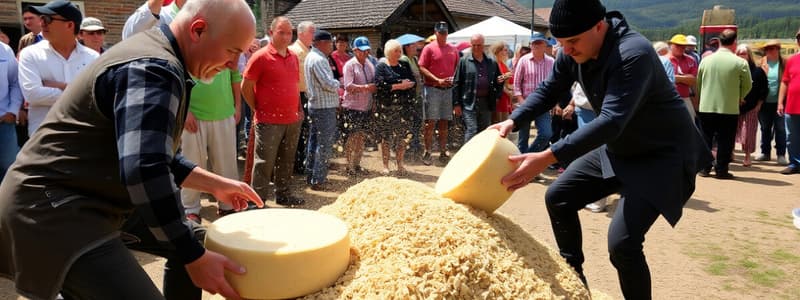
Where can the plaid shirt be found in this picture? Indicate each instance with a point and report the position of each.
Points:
(529, 73)
(323, 89)
(142, 97)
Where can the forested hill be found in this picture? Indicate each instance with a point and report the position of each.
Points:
(659, 19)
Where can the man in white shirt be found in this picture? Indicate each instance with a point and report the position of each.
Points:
(47, 67)
(149, 14)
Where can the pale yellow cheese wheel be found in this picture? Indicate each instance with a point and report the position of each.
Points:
(473, 175)
(288, 253)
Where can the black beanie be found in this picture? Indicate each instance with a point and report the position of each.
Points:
(573, 17)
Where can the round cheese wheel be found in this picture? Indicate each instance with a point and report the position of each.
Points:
(473, 175)
(288, 253)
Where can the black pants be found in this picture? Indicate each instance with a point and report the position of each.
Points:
(110, 271)
(722, 129)
(302, 143)
(583, 183)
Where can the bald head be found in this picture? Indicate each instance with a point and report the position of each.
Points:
(212, 33)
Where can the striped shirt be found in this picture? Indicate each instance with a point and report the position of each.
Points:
(357, 76)
(529, 73)
(323, 89)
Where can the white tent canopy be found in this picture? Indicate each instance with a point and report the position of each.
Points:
(494, 29)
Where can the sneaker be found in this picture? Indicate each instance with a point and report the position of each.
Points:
(796, 214)
(194, 218)
(704, 173)
(762, 157)
(597, 206)
(724, 175)
(290, 201)
(790, 170)
(782, 160)
(427, 159)
(321, 187)
(444, 158)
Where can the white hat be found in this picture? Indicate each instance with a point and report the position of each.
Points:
(91, 24)
(691, 40)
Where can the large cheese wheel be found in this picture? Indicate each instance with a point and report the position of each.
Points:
(473, 175)
(288, 253)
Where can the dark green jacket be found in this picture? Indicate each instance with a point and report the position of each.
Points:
(466, 78)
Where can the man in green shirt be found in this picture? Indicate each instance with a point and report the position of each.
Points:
(723, 80)
(209, 135)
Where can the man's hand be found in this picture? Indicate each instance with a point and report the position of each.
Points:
(371, 88)
(22, 118)
(530, 165)
(208, 273)
(504, 127)
(54, 84)
(780, 109)
(191, 123)
(8, 118)
(457, 110)
(235, 193)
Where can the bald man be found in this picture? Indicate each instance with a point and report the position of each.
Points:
(107, 161)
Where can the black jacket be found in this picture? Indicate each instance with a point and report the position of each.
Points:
(465, 81)
(652, 145)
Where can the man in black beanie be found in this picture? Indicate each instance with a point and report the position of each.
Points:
(643, 143)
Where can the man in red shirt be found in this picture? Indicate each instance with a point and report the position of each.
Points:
(685, 71)
(270, 88)
(789, 106)
(437, 63)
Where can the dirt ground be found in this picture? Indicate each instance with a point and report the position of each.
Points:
(735, 240)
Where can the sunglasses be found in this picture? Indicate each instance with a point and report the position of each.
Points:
(49, 19)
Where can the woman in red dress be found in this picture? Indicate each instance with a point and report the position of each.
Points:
(500, 51)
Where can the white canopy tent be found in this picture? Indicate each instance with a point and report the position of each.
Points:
(494, 29)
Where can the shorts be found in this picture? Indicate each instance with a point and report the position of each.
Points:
(438, 103)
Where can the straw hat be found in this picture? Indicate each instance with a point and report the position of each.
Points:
(771, 43)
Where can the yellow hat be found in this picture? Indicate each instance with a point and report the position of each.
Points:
(430, 38)
(679, 39)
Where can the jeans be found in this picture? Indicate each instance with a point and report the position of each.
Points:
(583, 183)
(475, 121)
(8, 147)
(772, 125)
(793, 139)
(243, 128)
(322, 135)
(110, 271)
(544, 132)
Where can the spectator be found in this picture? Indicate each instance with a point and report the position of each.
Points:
(300, 48)
(685, 68)
(341, 54)
(244, 124)
(47, 67)
(662, 49)
(92, 34)
(357, 107)
(522, 50)
(33, 23)
(10, 105)
(713, 45)
(748, 110)
(270, 88)
(152, 12)
(477, 85)
(323, 102)
(4, 38)
(103, 173)
(437, 63)
(500, 51)
(772, 124)
(723, 80)
(789, 106)
(531, 70)
(691, 48)
(412, 46)
(395, 97)
(209, 131)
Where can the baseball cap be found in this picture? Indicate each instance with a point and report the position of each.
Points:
(322, 35)
(691, 40)
(538, 36)
(679, 39)
(440, 27)
(361, 43)
(92, 24)
(59, 7)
